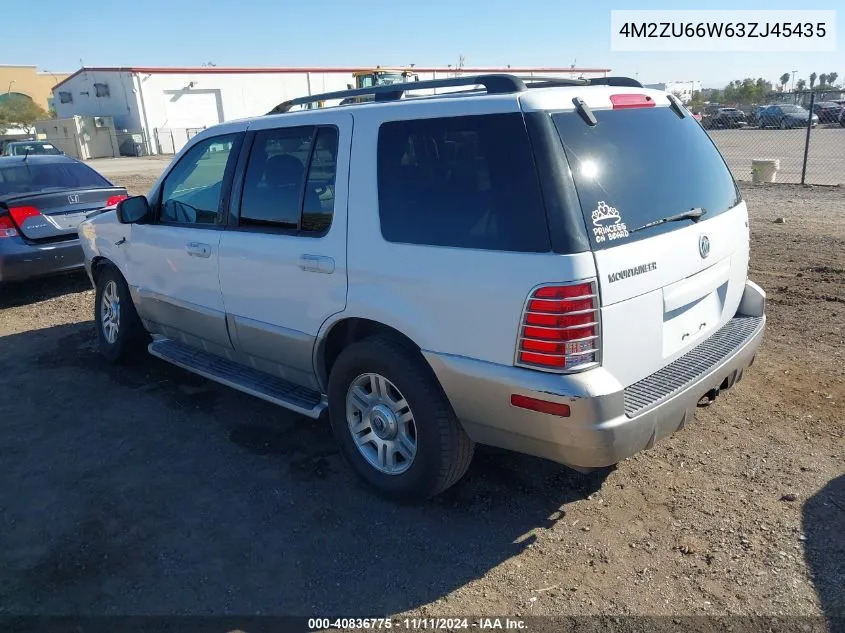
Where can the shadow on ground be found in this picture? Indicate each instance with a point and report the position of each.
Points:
(824, 528)
(145, 490)
(14, 294)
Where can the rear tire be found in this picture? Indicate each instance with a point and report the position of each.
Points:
(120, 333)
(404, 407)
(783, 125)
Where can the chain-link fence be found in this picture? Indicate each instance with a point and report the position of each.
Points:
(171, 140)
(781, 140)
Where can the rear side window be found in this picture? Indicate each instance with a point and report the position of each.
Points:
(290, 180)
(21, 178)
(466, 182)
(640, 165)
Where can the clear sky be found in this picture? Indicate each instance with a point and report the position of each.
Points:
(371, 32)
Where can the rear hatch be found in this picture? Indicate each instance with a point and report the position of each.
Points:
(664, 286)
(47, 201)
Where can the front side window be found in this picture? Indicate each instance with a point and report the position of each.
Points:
(290, 180)
(191, 193)
(466, 182)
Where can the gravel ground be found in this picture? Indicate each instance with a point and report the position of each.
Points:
(146, 490)
(825, 160)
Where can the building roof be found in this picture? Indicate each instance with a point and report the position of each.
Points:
(222, 70)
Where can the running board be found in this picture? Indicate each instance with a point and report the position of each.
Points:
(226, 372)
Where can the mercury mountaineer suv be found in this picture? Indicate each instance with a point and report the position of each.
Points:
(556, 267)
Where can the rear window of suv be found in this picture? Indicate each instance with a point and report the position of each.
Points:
(466, 182)
(639, 165)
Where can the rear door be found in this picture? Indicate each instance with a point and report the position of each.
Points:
(664, 287)
(283, 257)
(49, 200)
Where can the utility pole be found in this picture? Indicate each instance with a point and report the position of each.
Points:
(792, 89)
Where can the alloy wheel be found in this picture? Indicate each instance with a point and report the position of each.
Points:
(381, 424)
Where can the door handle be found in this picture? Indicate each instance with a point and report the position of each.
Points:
(316, 264)
(198, 249)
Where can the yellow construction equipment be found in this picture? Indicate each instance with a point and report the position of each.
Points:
(383, 76)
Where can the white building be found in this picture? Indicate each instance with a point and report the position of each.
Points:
(169, 105)
(684, 90)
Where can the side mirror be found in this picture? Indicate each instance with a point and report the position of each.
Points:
(133, 210)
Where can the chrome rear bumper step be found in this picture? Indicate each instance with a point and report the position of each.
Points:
(226, 372)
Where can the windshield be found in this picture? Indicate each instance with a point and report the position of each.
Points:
(21, 149)
(391, 78)
(24, 178)
(639, 165)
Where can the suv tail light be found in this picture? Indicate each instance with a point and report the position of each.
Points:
(560, 328)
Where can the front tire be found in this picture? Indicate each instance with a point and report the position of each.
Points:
(393, 423)
(120, 333)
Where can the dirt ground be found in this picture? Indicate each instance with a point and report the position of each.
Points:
(147, 490)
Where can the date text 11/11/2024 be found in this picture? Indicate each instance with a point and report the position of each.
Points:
(416, 624)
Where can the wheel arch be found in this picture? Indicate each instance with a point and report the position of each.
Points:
(98, 264)
(341, 333)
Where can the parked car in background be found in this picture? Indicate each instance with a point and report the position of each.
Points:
(726, 118)
(31, 148)
(842, 118)
(42, 201)
(754, 116)
(595, 306)
(827, 111)
(786, 116)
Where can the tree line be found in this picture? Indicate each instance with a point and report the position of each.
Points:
(759, 90)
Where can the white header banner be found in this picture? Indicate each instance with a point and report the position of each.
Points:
(753, 31)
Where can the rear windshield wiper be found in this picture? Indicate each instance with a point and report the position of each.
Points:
(693, 214)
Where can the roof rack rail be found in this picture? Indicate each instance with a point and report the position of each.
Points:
(537, 81)
(494, 84)
(615, 81)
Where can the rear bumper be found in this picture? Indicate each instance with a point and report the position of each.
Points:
(606, 424)
(20, 261)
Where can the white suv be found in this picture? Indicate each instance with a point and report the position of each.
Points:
(554, 267)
